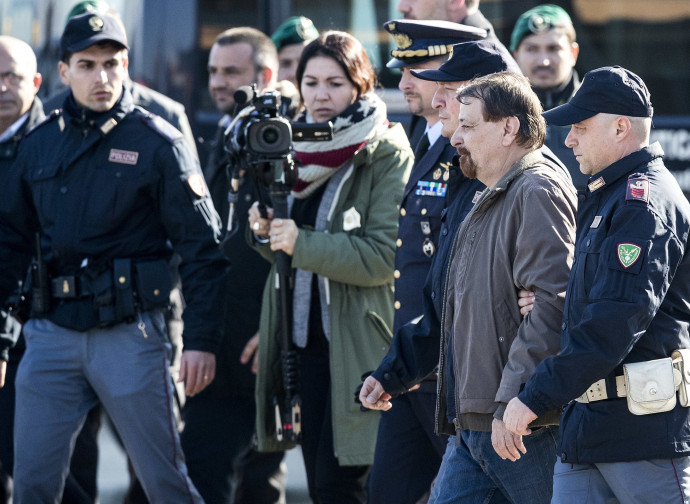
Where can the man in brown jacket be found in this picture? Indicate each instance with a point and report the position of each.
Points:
(519, 235)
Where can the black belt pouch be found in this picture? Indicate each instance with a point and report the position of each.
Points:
(153, 284)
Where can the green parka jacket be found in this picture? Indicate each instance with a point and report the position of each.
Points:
(358, 269)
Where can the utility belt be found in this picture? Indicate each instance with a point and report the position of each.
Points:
(650, 386)
(118, 293)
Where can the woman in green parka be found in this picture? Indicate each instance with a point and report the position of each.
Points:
(341, 239)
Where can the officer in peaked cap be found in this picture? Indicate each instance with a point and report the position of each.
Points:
(103, 193)
(414, 351)
(420, 42)
(408, 427)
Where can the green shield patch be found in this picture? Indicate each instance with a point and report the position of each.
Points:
(628, 253)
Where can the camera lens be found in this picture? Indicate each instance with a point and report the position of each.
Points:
(270, 135)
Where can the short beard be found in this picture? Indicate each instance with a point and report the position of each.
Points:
(467, 164)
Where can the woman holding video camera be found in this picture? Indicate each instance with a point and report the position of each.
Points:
(341, 240)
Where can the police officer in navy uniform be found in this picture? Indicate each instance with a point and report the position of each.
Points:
(407, 448)
(624, 434)
(101, 194)
(20, 111)
(414, 351)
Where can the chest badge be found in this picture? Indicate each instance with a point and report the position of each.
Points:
(446, 170)
(428, 188)
(628, 253)
(437, 173)
(428, 247)
(351, 219)
(426, 227)
(123, 156)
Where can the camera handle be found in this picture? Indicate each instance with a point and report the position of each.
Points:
(289, 423)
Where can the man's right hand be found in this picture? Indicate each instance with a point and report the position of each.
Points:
(3, 370)
(525, 301)
(373, 396)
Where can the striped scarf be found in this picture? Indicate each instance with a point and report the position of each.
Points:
(352, 129)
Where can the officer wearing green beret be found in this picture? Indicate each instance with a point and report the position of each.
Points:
(290, 39)
(543, 44)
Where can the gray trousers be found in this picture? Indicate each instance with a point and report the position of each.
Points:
(658, 481)
(64, 373)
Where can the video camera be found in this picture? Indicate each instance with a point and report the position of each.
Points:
(261, 135)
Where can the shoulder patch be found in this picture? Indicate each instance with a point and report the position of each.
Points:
(161, 126)
(55, 114)
(637, 188)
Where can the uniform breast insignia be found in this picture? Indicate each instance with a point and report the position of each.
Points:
(428, 188)
(446, 170)
(123, 156)
(638, 188)
(628, 253)
(596, 222)
(426, 227)
(437, 173)
(428, 247)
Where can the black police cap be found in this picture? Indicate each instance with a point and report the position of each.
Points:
(609, 90)
(85, 30)
(468, 60)
(419, 41)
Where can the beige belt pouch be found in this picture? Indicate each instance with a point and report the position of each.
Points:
(650, 386)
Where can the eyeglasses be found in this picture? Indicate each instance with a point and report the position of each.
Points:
(11, 78)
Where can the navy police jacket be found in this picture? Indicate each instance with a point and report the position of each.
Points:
(627, 301)
(101, 186)
(414, 350)
(419, 228)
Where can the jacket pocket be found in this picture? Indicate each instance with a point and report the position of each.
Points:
(587, 263)
(380, 325)
(46, 188)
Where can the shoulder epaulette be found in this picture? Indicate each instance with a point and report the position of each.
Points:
(55, 114)
(160, 126)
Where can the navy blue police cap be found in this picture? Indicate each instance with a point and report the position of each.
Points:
(468, 60)
(609, 90)
(419, 41)
(85, 30)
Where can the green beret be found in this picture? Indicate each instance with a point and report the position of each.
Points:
(95, 6)
(538, 20)
(293, 31)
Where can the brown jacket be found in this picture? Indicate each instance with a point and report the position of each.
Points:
(519, 235)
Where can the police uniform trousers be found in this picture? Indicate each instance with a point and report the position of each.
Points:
(64, 373)
(656, 481)
(408, 451)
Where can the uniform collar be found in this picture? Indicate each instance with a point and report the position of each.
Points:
(623, 167)
(103, 121)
